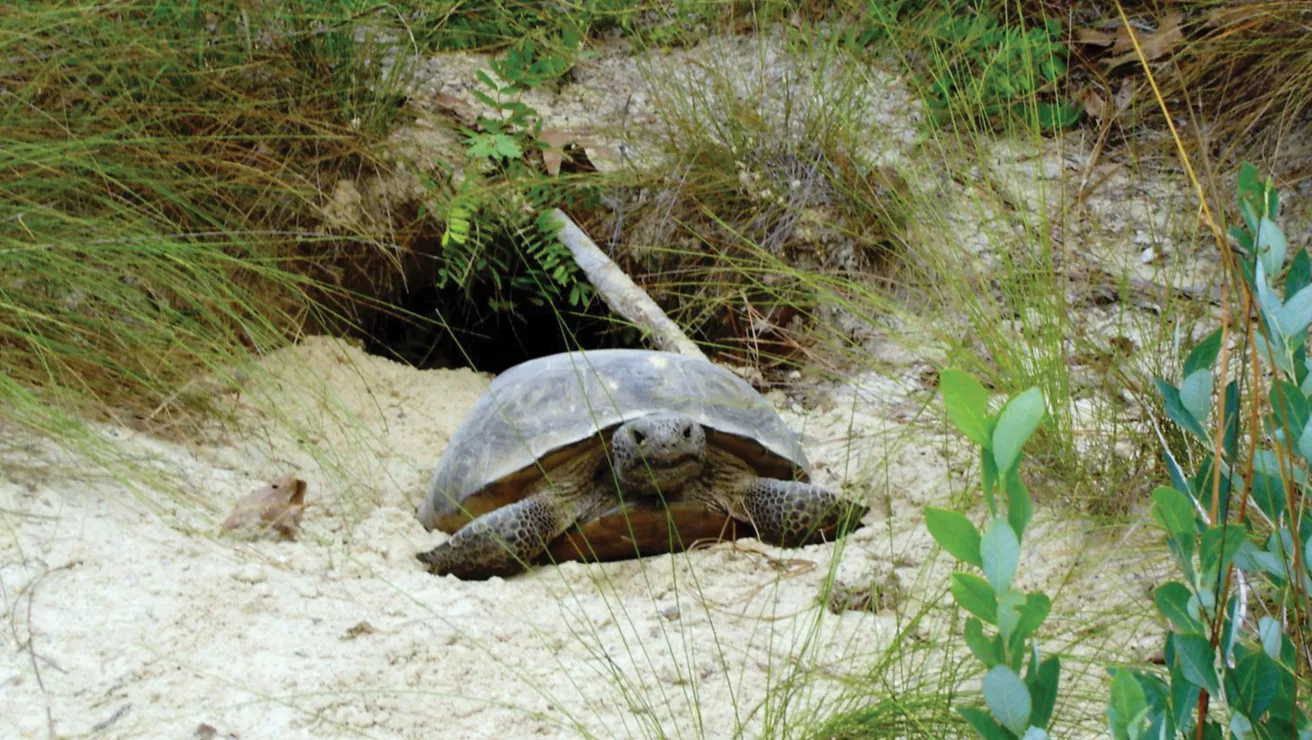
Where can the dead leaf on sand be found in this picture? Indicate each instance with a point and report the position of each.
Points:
(1095, 106)
(357, 630)
(554, 155)
(1161, 43)
(1094, 37)
(1124, 95)
(274, 509)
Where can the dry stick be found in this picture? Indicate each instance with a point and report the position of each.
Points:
(619, 292)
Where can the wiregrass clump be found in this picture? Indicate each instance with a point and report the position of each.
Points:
(162, 172)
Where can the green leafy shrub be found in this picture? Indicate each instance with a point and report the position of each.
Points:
(1017, 707)
(528, 64)
(1238, 615)
(495, 234)
(973, 67)
(984, 69)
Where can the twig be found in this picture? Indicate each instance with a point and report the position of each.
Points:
(619, 292)
(104, 724)
(31, 641)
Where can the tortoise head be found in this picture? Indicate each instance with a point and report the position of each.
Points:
(659, 451)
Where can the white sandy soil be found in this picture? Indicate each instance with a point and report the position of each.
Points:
(148, 624)
(127, 623)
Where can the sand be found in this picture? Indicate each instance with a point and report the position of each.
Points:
(143, 621)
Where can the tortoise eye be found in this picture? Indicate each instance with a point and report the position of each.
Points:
(687, 432)
(639, 437)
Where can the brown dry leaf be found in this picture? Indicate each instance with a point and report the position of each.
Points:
(205, 731)
(1124, 95)
(360, 628)
(1237, 15)
(554, 156)
(604, 158)
(1154, 45)
(276, 508)
(1095, 106)
(1094, 36)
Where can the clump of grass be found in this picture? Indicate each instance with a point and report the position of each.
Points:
(1236, 72)
(977, 64)
(758, 206)
(161, 175)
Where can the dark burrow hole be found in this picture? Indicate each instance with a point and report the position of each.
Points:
(453, 326)
(476, 336)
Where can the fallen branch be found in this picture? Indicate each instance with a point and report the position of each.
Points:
(620, 293)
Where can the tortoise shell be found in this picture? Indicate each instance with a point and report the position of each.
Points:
(542, 412)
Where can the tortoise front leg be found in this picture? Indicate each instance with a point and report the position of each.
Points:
(788, 513)
(501, 542)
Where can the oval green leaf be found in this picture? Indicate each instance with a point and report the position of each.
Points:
(1173, 512)
(1271, 246)
(1009, 606)
(955, 533)
(987, 727)
(975, 595)
(1175, 409)
(985, 649)
(1257, 679)
(1270, 631)
(1197, 661)
(1295, 315)
(1008, 699)
(1000, 551)
(1172, 601)
(1033, 613)
(1196, 395)
(1204, 354)
(1020, 508)
(967, 404)
(1127, 705)
(1043, 686)
(1016, 422)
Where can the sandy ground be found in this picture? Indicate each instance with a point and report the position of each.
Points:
(146, 623)
(128, 615)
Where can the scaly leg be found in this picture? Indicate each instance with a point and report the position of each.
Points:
(788, 513)
(501, 542)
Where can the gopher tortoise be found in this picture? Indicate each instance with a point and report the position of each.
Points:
(603, 454)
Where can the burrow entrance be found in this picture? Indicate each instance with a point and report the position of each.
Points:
(431, 327)
(449, 333)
